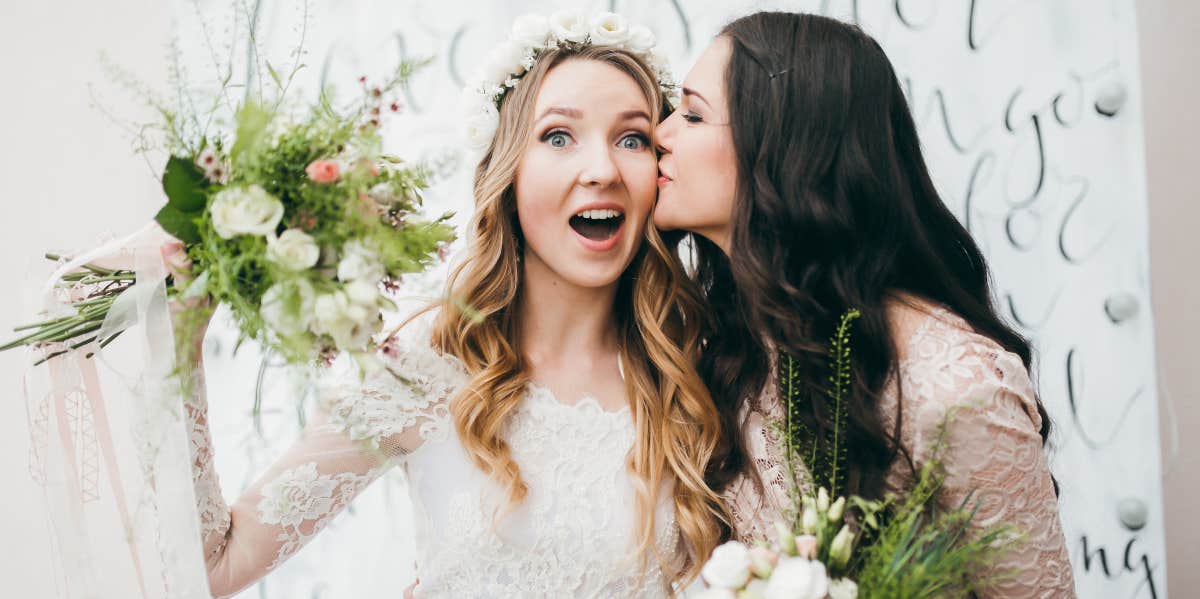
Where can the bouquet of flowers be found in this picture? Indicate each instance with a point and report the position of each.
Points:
(298, 224)
(850, 547)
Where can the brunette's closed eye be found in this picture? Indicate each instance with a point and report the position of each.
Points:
(692, 117)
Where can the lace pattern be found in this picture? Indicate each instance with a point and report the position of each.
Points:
(573, 535)
(993, 447)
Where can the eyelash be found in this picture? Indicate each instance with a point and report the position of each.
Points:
(692, 117)
(643, 139)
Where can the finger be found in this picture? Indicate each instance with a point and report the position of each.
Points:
(176, 259)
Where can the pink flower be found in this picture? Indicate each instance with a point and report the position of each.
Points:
(323, 171)
(806, 546)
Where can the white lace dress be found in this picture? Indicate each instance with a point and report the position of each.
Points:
(573, 536)
(993, 447)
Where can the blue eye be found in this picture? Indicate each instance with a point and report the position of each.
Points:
(635, 141)
(557, 139)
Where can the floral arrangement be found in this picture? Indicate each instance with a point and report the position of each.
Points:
(850, 547)
(298, 222)
(533, 34)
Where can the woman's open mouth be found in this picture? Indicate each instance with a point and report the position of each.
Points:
(598, 225)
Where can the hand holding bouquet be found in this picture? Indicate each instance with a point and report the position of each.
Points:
(298, 225)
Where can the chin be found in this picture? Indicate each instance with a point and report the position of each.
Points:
(665, 220)
(593, 279)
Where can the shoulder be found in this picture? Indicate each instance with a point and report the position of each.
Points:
(948, 370)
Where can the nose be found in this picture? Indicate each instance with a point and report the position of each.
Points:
(598, 169)
(664, 134)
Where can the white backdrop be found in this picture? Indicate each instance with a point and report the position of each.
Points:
(1004, 92)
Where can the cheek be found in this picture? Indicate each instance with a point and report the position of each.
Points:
(709, 172)
(537, 204)
(640, 176)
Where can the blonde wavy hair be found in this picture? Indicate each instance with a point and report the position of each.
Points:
(678, 428)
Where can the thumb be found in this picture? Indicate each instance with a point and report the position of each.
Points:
(177, 261)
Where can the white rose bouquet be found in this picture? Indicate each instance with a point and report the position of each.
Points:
(298, 224)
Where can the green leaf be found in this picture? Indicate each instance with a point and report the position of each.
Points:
(184, 184)
(179, 224)
(274, 75)
(252, 121)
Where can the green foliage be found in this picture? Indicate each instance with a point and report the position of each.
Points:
(825, 454)
(911, 548)
(923, 551)
(185, 186)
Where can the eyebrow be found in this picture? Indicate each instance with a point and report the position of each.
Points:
(687, 91)
(575, 113)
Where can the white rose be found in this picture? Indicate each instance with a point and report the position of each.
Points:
(294, 250)
(358, 262)
(363, 292)
(506, 61)
(756, 588)
(350, 324)
(569, 26)
(530, 31)
(481, 126)
(245, 211)
(641, 39)
(843, 588)
(797, 578)
(715, 594)
(729, 566)
(609, 29)
(287, 307)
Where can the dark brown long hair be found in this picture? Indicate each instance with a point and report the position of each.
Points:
(834, 209)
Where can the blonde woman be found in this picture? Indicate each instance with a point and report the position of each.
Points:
(547, 414)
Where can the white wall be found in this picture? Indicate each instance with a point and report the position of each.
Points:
(71, 176)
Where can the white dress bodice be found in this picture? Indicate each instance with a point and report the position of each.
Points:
(573, 535)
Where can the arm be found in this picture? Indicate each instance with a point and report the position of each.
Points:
(992, 447)
(313, 481)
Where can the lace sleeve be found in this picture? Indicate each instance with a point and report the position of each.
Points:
(992, 447)
(759, 496)
(364, 426)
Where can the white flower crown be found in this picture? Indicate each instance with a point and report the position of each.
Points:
(532, 34)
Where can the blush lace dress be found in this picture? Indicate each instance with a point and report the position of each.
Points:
(993, 446)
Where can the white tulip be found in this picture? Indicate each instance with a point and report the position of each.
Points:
(609, 29)
(843, 588)
(245, 211)
(358, 262)
(797, 578)
(569, 26)
(530, 31)
(294, 250)
(729, 566)
(287, 307)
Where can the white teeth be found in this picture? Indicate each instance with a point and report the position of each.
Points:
(598, 214)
